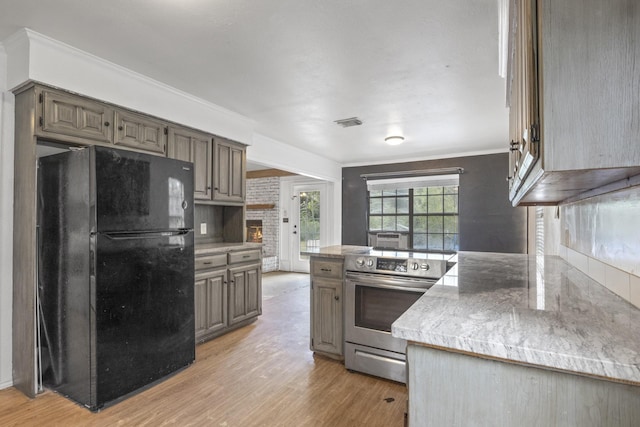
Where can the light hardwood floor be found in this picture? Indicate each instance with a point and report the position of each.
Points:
(261, 375)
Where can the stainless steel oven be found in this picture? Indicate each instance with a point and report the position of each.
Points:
(379, 289)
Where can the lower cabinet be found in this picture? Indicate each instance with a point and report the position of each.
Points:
(210, 302)
(228, 292)
(245, 293)
(327, 321)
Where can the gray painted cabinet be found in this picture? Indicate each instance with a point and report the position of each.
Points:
(72, 118)
(586, 93)
(139, 131)
(210, 302)
(454, 389)
(195, 147)
(327, 321)
(245, 293)
(228, 292)
(230, 171)
(64, 115)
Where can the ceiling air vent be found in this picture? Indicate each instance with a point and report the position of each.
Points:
(352, 121)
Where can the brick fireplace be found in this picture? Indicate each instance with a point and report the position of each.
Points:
(263, 196)
(254, 230)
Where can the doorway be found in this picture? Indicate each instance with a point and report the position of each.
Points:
(308, 228)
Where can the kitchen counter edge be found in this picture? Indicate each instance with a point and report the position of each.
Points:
(538, 311)
(214, 248)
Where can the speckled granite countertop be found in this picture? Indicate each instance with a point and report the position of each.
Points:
(213, 248)
(534, 310)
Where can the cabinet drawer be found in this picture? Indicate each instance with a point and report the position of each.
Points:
(211, 261)
(330, 269)
(244, 256)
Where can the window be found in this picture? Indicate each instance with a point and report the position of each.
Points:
(435, 218)
(428, 214)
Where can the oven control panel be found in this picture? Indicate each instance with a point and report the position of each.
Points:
(428, 268)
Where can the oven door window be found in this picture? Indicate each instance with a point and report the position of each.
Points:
(378, 308)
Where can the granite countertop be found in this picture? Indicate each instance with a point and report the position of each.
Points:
(534, 310)
(213, 248)
(338, 251)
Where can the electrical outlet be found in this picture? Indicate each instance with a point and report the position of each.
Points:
(203, 228)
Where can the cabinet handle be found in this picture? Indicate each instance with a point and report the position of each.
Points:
(246, 256)
(208, 263)
(107, 124)
(328, 270)
(514, 146)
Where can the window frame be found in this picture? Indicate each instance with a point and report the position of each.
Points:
(412, 215)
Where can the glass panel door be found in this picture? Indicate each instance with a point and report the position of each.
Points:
(309, 221)
(307, 228)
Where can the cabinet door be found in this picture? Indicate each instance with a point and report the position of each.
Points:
(524, 114)
(196, 148)
(326, 315)
(200, 307)
(245, 293)
(210, 302)
(230, 171)
(68, 115)
(136, 131)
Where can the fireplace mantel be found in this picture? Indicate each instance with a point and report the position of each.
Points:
(262, 206)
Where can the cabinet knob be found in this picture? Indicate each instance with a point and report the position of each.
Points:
(107, 124)
(120, 128)
(337, 298)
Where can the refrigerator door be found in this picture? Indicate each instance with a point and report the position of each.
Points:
(144, 310)
(136, 191)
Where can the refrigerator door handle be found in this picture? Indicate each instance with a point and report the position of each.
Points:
(145, 234)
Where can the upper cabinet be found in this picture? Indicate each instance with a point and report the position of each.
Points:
(138, 131)
(67, 116)
(219, 164)
(72, 118)
(573, 91)
(230, 171)
(195, 147)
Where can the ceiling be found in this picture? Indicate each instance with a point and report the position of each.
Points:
(423, 69)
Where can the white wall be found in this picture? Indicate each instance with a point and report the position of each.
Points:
(27, 55)
(6, 223)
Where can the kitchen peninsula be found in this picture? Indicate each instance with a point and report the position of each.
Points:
(504, 339)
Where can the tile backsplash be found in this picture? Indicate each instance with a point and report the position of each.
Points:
(601, 237)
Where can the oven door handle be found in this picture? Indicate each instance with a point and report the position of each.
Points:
(387, 284)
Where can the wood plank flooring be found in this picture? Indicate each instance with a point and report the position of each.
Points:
(260, 375)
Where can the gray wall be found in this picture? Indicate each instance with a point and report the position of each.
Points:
(488, 222)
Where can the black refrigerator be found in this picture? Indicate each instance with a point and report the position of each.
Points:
(115, 272)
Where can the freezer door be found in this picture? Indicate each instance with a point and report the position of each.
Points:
(136, 191)
(144, 310)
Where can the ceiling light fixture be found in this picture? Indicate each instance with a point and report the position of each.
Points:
(394, 140)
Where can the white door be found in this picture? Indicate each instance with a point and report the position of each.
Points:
(307, 228)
